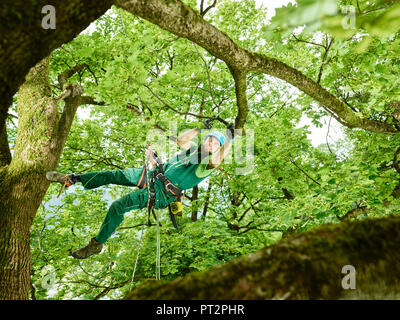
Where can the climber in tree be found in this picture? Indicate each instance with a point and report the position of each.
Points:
(184, 171)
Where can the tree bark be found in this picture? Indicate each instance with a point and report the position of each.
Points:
(24, 42)
(305, 266)
(42, 132)
(206, 201)
(194, 201)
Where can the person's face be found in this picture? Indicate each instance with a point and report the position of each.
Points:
(211, 144)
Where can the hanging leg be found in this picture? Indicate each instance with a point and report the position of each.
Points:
(115, 214)
(128, 177)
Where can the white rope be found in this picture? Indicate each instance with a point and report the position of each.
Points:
(138, 250)
(122, 22)
(158, 259)
(144, 222)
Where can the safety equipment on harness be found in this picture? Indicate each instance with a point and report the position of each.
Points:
(143, 179)
(158, 173)
(176, 208)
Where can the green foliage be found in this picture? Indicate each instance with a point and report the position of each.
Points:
(342, 19)
(149, 78)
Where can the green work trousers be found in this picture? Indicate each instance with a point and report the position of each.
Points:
(131, 201)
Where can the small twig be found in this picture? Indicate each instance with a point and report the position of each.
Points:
(308, 176)
(309, 42)
(327, 134)
(183, 113)
(395, 161)
(122, 22)
(204, 11)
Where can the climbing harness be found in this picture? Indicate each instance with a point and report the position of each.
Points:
(158, 173)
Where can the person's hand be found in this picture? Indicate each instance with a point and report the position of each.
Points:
(230, 132)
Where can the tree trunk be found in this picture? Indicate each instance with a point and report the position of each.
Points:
(195, 205)
(41, 137)
(305, 266)
(25, 42)
(207, 200)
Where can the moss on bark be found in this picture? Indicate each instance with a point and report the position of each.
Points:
(42, 131)
(24, 42)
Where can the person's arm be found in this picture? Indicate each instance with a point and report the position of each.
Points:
(184, 139)
(217, 157)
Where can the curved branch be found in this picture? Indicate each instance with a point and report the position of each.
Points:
(183, 21)
(63, 77)
(241, 97)
(204, 11)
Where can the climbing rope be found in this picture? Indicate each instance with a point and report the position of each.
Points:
(138, 251)
(144, 223)
(158, 257)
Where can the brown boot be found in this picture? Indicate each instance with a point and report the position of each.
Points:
(92, 248)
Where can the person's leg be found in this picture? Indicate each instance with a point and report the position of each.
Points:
(114, 217)
(128, 177)
(115, 214)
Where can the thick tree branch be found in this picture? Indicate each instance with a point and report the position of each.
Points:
(90, 100)
(63, 77)
(183, 21)
(25, 44)
(288, 268)
(72, 102)
(241, 97)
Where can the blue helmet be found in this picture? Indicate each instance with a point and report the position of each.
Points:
(219, 136)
